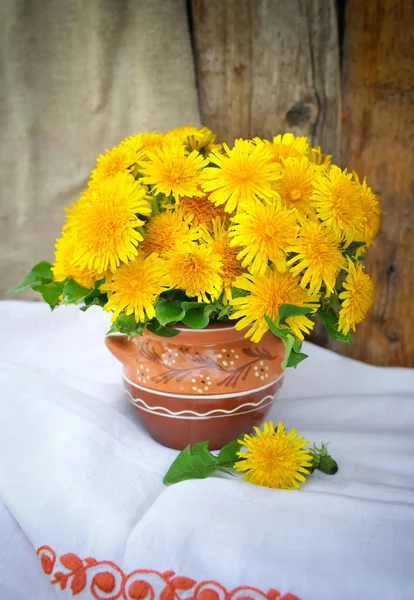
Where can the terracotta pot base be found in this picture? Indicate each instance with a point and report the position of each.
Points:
(219, 420)
(209, 384)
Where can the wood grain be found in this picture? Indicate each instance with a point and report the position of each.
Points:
(268, 66)
(379, 142)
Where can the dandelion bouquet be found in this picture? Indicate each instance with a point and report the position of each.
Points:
(177, 228)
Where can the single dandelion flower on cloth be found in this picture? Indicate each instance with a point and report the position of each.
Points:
(356, 298)
(274, 458)
(337, 204)
(64, 265)
(202, 210)
(166, 231)
(135, 287)
(197, 271)
(316, 156)
(230, 265)
(196, 139)
(105, 223)
(241, 175)
(266, 293)
(371, 210)
(171, 171)
(263, 231)
(288, 145)
(317, 257)
(119, 159)
(296, 184)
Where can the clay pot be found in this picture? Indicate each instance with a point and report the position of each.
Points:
(210, 384)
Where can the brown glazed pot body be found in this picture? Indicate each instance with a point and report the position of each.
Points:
(208, 384)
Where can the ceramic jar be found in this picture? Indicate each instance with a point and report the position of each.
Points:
(208, 384)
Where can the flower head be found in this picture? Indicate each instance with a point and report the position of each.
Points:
(166, 231)
(371, 210)
(220, 244)
(295, 187)
(136, 286)
(317, 257)
(266, 293)
(263, 232)
(194, 138)
(337, 204)
(242, 175)
(288, 145)
(201, 210)
(64, 265)
(171, 171)
(197, 271)
(119, 159)
(274, 458)
(356, 298)
(104, 223)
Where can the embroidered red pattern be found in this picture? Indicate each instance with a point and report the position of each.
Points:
(107, 581)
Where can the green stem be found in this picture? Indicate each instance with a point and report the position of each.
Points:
(155, 206)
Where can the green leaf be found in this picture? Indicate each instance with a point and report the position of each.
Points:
(282, 333)
(349, 251)
(192, 463)
(330, 320)
(289, 342)
(51, 292)
(40, 274)
(197, 318)
(238, 293)
(187, 306)
(73, 292)
(169, 311)
(96, 301)
(295, 358)
(290, 310)
(228, 454)
(126, 325)
(156, 328)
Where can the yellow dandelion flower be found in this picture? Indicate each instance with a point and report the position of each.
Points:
(266, 293)
(105, 223)
(337, 204)
(242, 175)
(295, 187)
(202, 210)
(167, 231)
(318, 257)
(288, 145)
(196, 271)
(220, 244)
(371, 210)
(194, 138)
(65, 267)
(135, 287)
(263, 232)
(274, 458)
(316, 156)
(118, 160)
(356, 299)
(171, 171)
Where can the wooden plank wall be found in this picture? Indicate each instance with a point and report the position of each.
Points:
(268, 66)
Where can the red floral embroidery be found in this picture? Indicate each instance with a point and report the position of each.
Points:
(107, 581)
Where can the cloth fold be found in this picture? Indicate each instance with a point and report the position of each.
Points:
(81, 483)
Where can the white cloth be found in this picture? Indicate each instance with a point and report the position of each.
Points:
(79, 474)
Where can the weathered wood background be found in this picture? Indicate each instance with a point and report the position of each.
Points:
(341, 73)
(76, 77)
